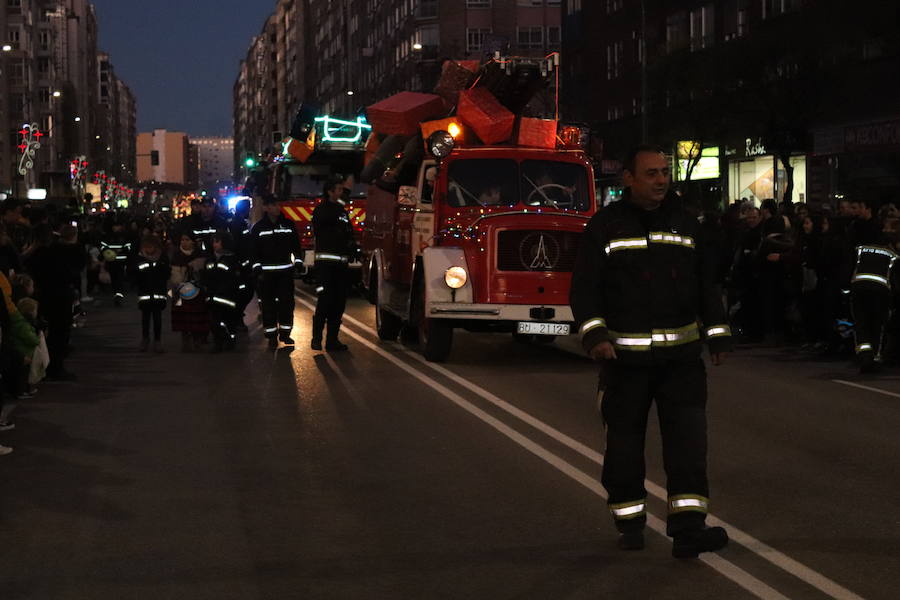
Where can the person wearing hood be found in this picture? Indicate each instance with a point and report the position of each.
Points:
(189, 312)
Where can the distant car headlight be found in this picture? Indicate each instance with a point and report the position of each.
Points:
(455, 277)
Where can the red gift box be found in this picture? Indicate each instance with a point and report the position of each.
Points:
(401, 113)
(456, 75)
(489, 119)
(537, 133)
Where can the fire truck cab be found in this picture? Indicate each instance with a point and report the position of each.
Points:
(485, 241)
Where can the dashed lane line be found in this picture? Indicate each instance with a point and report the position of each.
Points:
(777, 558)
(866, 387)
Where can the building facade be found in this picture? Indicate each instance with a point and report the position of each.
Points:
(776, 96)
(344, 55)
(165, 157)
(215, 160)
(50, 75)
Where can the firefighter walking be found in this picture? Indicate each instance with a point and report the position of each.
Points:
(644, 293)
(871, 298)
(335, 247)
(275, 255)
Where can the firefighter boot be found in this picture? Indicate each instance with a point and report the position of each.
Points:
(690, 543)
(332, 343)
(317, 329)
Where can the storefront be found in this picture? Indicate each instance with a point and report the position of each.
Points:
(755, 174)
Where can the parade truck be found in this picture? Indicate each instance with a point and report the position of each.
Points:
(296, 176)
(478, 231)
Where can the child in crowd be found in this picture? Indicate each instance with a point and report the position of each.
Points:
(189, 312)
(152, 274)
(22, 287)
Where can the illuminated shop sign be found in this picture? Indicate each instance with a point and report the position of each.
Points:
(707, 166)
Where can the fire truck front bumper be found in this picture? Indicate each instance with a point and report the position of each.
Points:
(511, 313)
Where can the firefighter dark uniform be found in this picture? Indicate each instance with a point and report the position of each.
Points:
(644, 282)
(275, 254)
(240, 233)
(220, 281)
(116, 251)
(335, 248)
(871, 297)
(152, 281)
(202, 231)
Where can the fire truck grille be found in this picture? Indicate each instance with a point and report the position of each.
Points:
(537, 250)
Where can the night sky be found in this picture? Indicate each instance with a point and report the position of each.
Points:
(180, 57)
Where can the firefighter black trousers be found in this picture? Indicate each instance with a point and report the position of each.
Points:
(679, 390)
(276, 292)
(871, 308)
(333, 285)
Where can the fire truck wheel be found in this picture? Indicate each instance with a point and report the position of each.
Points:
(387, 324)
(435, 339)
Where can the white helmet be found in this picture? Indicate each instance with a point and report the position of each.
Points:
(188, 291)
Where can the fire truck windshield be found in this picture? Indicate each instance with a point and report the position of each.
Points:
(506, 182)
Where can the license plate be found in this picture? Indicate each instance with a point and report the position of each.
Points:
(543, 328)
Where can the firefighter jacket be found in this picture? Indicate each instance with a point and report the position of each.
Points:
(274, 246)
(240, 233)
(119, 244)
(645, 281)
(152, 278)
(202, 231)
(334, 233)
(220, 280)
(874, 268)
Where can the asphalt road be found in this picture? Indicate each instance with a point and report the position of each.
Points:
(372, 474)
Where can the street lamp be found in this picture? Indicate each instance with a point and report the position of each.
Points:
(349, 92)
(417, 46)
(78, 119)
(57, 94)
(7, 48)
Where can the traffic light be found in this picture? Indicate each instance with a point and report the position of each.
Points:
(250, 162)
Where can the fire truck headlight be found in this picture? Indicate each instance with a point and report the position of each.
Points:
(456, 277)
(440, 144)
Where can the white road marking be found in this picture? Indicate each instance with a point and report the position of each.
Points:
(777, 558)
(728, 569)
(866, 387)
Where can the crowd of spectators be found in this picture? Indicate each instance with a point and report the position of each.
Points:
(50, 264)
(787, 269)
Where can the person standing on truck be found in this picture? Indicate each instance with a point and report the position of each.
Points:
(275, 255)
(644, 293)
(335, 248)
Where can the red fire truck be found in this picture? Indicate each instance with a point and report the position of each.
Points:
(485, 241)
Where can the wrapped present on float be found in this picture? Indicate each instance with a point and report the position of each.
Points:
(537, 133)
(490, 120)
(456, 75)
(401, 113)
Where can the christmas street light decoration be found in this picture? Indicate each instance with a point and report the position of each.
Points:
(31, 142)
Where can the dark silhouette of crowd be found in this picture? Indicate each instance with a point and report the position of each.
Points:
(787, 270)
